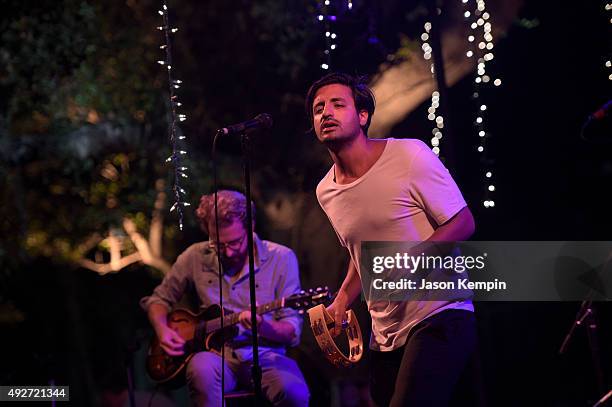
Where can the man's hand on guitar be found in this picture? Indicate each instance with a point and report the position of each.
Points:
(170, 341)
(245, 319)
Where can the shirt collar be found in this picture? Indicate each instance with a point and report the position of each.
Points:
(261, 251)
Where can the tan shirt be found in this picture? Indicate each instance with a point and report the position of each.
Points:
(404, 196)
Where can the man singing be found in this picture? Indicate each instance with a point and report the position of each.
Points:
(276, 276)
(392, 190)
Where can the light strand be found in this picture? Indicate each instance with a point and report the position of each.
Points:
(480, 45)
(180, 170)
(328, 19)
(608, 63)
(435, 95)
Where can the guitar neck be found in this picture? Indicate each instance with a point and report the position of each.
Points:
(232, 319)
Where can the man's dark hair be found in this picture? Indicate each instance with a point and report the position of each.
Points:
(362, 94)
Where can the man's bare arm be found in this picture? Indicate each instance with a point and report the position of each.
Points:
(348, 292)
(458, 228)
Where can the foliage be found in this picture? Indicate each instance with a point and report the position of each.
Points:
(83, 115)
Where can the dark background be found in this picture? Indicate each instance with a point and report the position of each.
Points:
(61, 61)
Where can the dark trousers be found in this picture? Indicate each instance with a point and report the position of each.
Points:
(426, 370)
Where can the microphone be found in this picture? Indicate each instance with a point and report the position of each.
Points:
(602, 112)
(597, 128)
(262, 121)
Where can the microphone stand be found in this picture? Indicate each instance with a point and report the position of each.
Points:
(586, 316)
(256, 369)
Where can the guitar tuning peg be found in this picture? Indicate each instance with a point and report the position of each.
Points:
(301, 312)
(302, 292)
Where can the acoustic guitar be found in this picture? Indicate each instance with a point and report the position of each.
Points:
(202, 332)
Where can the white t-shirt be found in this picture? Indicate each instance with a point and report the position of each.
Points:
(404, 196)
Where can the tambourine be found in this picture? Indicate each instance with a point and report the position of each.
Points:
(321, 322)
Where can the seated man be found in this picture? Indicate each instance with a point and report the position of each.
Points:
(276, 276)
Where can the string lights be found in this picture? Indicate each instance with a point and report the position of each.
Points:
(328, 19)
(608, 63)
(435, 95)
(480, 40)
(180, 171)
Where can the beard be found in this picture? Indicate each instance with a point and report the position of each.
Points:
(233, 265)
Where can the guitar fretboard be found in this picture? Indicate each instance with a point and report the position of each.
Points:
(232, 319)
